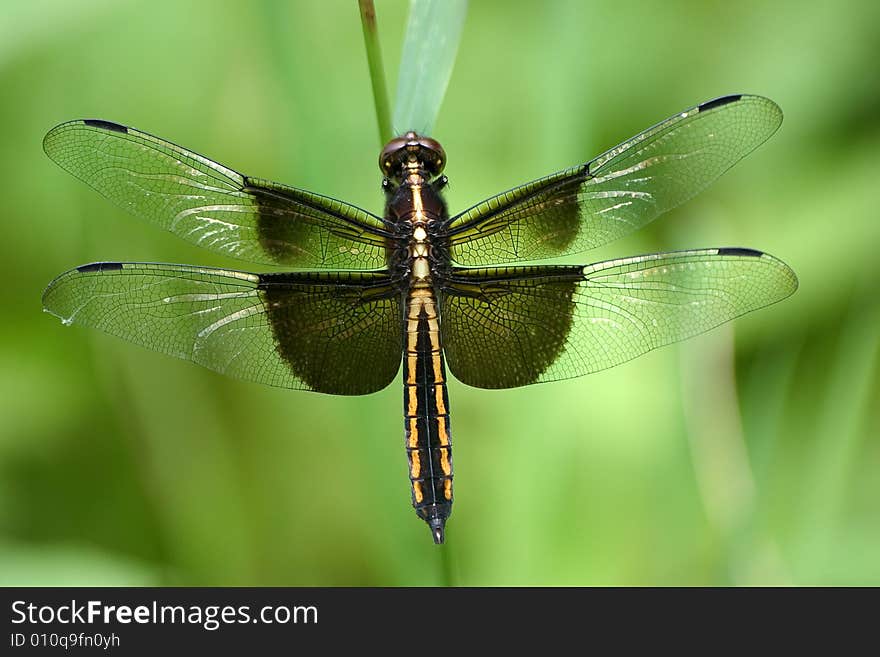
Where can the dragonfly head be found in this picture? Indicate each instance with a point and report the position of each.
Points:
(412, 152)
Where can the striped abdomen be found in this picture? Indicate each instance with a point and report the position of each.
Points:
(426, 407)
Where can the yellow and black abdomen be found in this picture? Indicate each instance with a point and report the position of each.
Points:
(426, 410)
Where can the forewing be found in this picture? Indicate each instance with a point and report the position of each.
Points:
(620, 191)
(337, 333)
(512, 326)
(213, 206)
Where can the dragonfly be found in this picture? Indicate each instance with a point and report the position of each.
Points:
(362, 293)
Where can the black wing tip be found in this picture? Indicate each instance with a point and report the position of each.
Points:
(61, 128)
(99, 266)
(718, 102)
(740, 251)
(106, 125)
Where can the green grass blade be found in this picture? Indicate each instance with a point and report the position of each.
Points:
(841, 426)
(430, 45)
(377, 70)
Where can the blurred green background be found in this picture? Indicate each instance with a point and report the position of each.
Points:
(749, 455)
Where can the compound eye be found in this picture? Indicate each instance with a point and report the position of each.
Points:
(437, 165)
(434, 154)
(388, 154)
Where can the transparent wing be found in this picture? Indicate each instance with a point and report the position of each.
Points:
(511, 326)
(620, 191)
(337, 333)
(213, 206)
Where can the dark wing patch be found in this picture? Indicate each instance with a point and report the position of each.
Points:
(504, 327)
(620, 191)
(507, 327)
(338, 333)
(214, 206)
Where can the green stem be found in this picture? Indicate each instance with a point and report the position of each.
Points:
(377, 71)
(447, 577)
